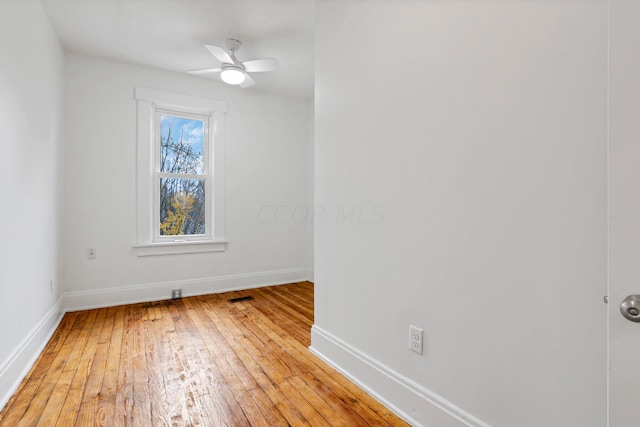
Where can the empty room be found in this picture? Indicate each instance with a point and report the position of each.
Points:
(320, 212)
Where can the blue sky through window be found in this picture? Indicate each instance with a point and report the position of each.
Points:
(184, 133)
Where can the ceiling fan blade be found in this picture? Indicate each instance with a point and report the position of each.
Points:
(220, 54)
(248, 81)
(206, 70)
(260, 65)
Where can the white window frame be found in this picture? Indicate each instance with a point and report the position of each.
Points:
(151, 103)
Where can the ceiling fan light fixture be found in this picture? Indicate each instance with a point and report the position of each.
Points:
(232, 75)
(232, 71)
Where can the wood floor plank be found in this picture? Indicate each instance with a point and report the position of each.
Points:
(66, 361)
(209, 383)
(355, 398)
(286, 316)
(306, 410)
(271, 416)
(232, 370)
(293, 347)
(198, 361)
(294, 303)
(123, 408)
(86, 356)
(254, 408)
(250, 354)
(28, 388)
(155, 350)
(95, 377)
(105, 410)
(320, 404)
(223, 380)
(337, 394)
(179, 382)
(290, 411)
(53, 408)
(249, 373)
(273, 355)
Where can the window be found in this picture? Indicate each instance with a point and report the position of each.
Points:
(181, 176)
(180, 171)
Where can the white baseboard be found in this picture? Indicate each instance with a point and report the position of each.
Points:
(410, 401)
(17, 365)
(108, 297)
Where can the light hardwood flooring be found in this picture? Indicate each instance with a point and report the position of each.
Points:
(197, 361)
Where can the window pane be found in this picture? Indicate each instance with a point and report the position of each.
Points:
(182, 206)
(182, 142)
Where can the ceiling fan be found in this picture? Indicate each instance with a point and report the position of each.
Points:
(232, 71)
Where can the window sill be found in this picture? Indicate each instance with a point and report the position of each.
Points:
(175, 248)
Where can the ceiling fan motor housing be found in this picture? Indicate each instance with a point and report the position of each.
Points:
(233, 44)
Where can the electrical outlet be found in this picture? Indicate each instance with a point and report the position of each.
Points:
(176, 293)
(415, 339)
(91, 253)
(51, 286)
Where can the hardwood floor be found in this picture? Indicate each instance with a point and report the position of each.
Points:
(201, 361)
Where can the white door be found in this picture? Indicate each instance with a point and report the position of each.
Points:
(624, 214)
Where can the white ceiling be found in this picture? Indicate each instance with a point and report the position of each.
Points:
(170, 34)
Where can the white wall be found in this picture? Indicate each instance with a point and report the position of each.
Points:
(31, 125)
(624, 208)
(267, 144)
(460, 157)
